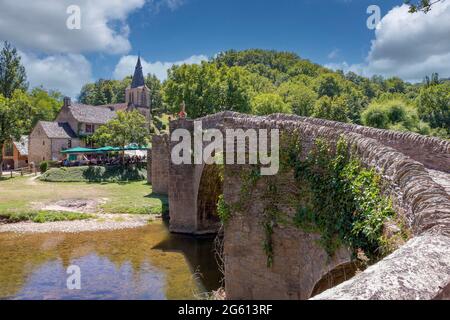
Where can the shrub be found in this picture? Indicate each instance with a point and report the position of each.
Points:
(269, 103)
(96, 174)
(375, 117)
(43, 166)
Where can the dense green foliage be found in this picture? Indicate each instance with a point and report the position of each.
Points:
(14, 118)
(269, 103)
(43, 166)
(12, 72)
(346, 203)
(104, 92)
(20, 110)
(251, 81)
(95, 174)
(124, 129)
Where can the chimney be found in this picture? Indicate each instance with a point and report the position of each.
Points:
(67, 102)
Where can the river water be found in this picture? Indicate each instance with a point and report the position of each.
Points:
(143, 263)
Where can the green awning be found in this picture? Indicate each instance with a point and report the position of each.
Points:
(78, 150)
(135, 148)
(107, 149)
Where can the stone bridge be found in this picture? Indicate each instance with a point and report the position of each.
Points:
(416, 176)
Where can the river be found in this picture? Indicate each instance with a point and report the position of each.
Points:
(143, 263)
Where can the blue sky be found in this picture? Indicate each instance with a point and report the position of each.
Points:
(166, 32)
(310, 28)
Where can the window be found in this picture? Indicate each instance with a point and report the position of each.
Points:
(9, 151)
(43, 143)
(89, 128)
(69, 144)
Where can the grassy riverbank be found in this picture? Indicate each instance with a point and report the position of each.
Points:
(26, 198)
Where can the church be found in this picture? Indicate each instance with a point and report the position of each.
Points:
(76, 121)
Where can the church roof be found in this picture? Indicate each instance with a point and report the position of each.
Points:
(138, 77)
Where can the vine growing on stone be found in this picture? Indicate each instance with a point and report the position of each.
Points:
(333, 195)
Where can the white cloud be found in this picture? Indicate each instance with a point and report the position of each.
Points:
(356, 68)
(174, 4)
(65, 72)
(333, 54)
(125, 66)
(408, 45)
(41, 25)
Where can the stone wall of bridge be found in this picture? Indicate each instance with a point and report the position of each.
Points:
(158, 164)
(419, 269)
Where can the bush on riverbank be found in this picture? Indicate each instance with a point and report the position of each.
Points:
(95, 174)
(42, 216)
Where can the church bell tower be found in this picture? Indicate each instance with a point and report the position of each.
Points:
(137, 95)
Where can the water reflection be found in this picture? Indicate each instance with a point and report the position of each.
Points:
(144, 263)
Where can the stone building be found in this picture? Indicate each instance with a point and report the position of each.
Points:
(76, 121)
(15, 154)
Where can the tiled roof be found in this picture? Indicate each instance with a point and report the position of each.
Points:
(115, 106)
(93, 114)
(57, 130)
(22, 145)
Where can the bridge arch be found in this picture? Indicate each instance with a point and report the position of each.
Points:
(338, 275)
(210, 188)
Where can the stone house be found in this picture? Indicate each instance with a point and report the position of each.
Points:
(15, 154)
(48, 139)
(76, 121)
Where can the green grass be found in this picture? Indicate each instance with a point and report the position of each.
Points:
(41, 216)
(135, 198)
(24, 199)
(95, 174)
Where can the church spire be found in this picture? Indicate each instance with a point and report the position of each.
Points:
(138, 77)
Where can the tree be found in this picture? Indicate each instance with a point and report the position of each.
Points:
(395, 114)
(329, 84)
(12, 72)
(99, 95)
(300, 97)
(126, 128)
(421, 5)
(433, 104)
(355, 101)
(155, 87)
(434, 80)
(331, 108)
(15, 118)
(209, 88)
(45, 105)
(395, 85)
(269, 103)
(375, 117)
(87, 94)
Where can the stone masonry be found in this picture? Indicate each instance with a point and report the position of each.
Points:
(415, 171)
